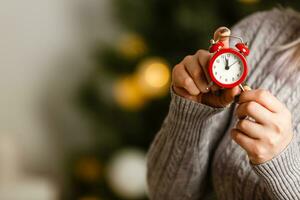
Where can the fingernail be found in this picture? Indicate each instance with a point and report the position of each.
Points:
(195, 91)
(224, 30)
(246, 87)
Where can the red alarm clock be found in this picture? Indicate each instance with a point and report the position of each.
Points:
(228, 67)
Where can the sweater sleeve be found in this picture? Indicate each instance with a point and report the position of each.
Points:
(179, 156)
(282, 174)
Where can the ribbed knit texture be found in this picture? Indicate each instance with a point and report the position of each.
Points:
(193, 155)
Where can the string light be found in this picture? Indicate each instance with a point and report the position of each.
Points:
(150, 81)
(126, 173)
(154, 77)
(127, 93)
(88, 169)
(132, 46)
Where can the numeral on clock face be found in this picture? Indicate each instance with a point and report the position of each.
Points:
(228, 68)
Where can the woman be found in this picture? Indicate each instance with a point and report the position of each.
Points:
(206, 147)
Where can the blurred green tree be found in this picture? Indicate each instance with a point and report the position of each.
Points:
(168, 29)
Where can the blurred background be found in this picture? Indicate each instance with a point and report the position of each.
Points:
(84, 89)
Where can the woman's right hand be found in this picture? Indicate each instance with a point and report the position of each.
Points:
(189, 81)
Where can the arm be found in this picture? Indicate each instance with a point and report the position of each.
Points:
(282, 174)
(179, 156)
(270, 142)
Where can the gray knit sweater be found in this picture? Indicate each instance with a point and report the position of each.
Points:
(193, 155)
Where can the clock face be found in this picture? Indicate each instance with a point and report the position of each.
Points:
(227, 68)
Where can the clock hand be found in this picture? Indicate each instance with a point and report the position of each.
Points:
(226, 63)
(232, 64)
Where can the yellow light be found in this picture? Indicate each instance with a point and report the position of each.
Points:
(127, 93)
(132, 46)
(157, 75)
(88, 169)
(154, 77)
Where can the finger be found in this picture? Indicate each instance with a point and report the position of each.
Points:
(263, 97)
(221, 34)
(215, 88)
(223, 100)
(247, 87)
(243, 140)
(203, 59)
(183, 93)
(228, 95)
(250, 128)
(194, 69)
(182, 79)
(254, 110)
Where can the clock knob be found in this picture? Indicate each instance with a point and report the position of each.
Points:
(216, 47)
(243, 48)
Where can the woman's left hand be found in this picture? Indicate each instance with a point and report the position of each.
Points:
(272, 130)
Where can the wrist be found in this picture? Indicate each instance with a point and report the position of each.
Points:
(191, 108)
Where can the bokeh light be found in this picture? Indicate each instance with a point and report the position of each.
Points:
(127, 173)
(127, 93)
(88, 169)
(85, 81)
(154, 77)
(132, 45)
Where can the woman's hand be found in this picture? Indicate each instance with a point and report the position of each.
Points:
(271, 131)
(189, 81)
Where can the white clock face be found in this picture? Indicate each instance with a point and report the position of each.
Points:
(228, 68)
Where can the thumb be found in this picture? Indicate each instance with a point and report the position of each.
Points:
(222, 31)
(226, 97)
(247, 87)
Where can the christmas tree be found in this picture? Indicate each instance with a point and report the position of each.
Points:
(127, 96)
